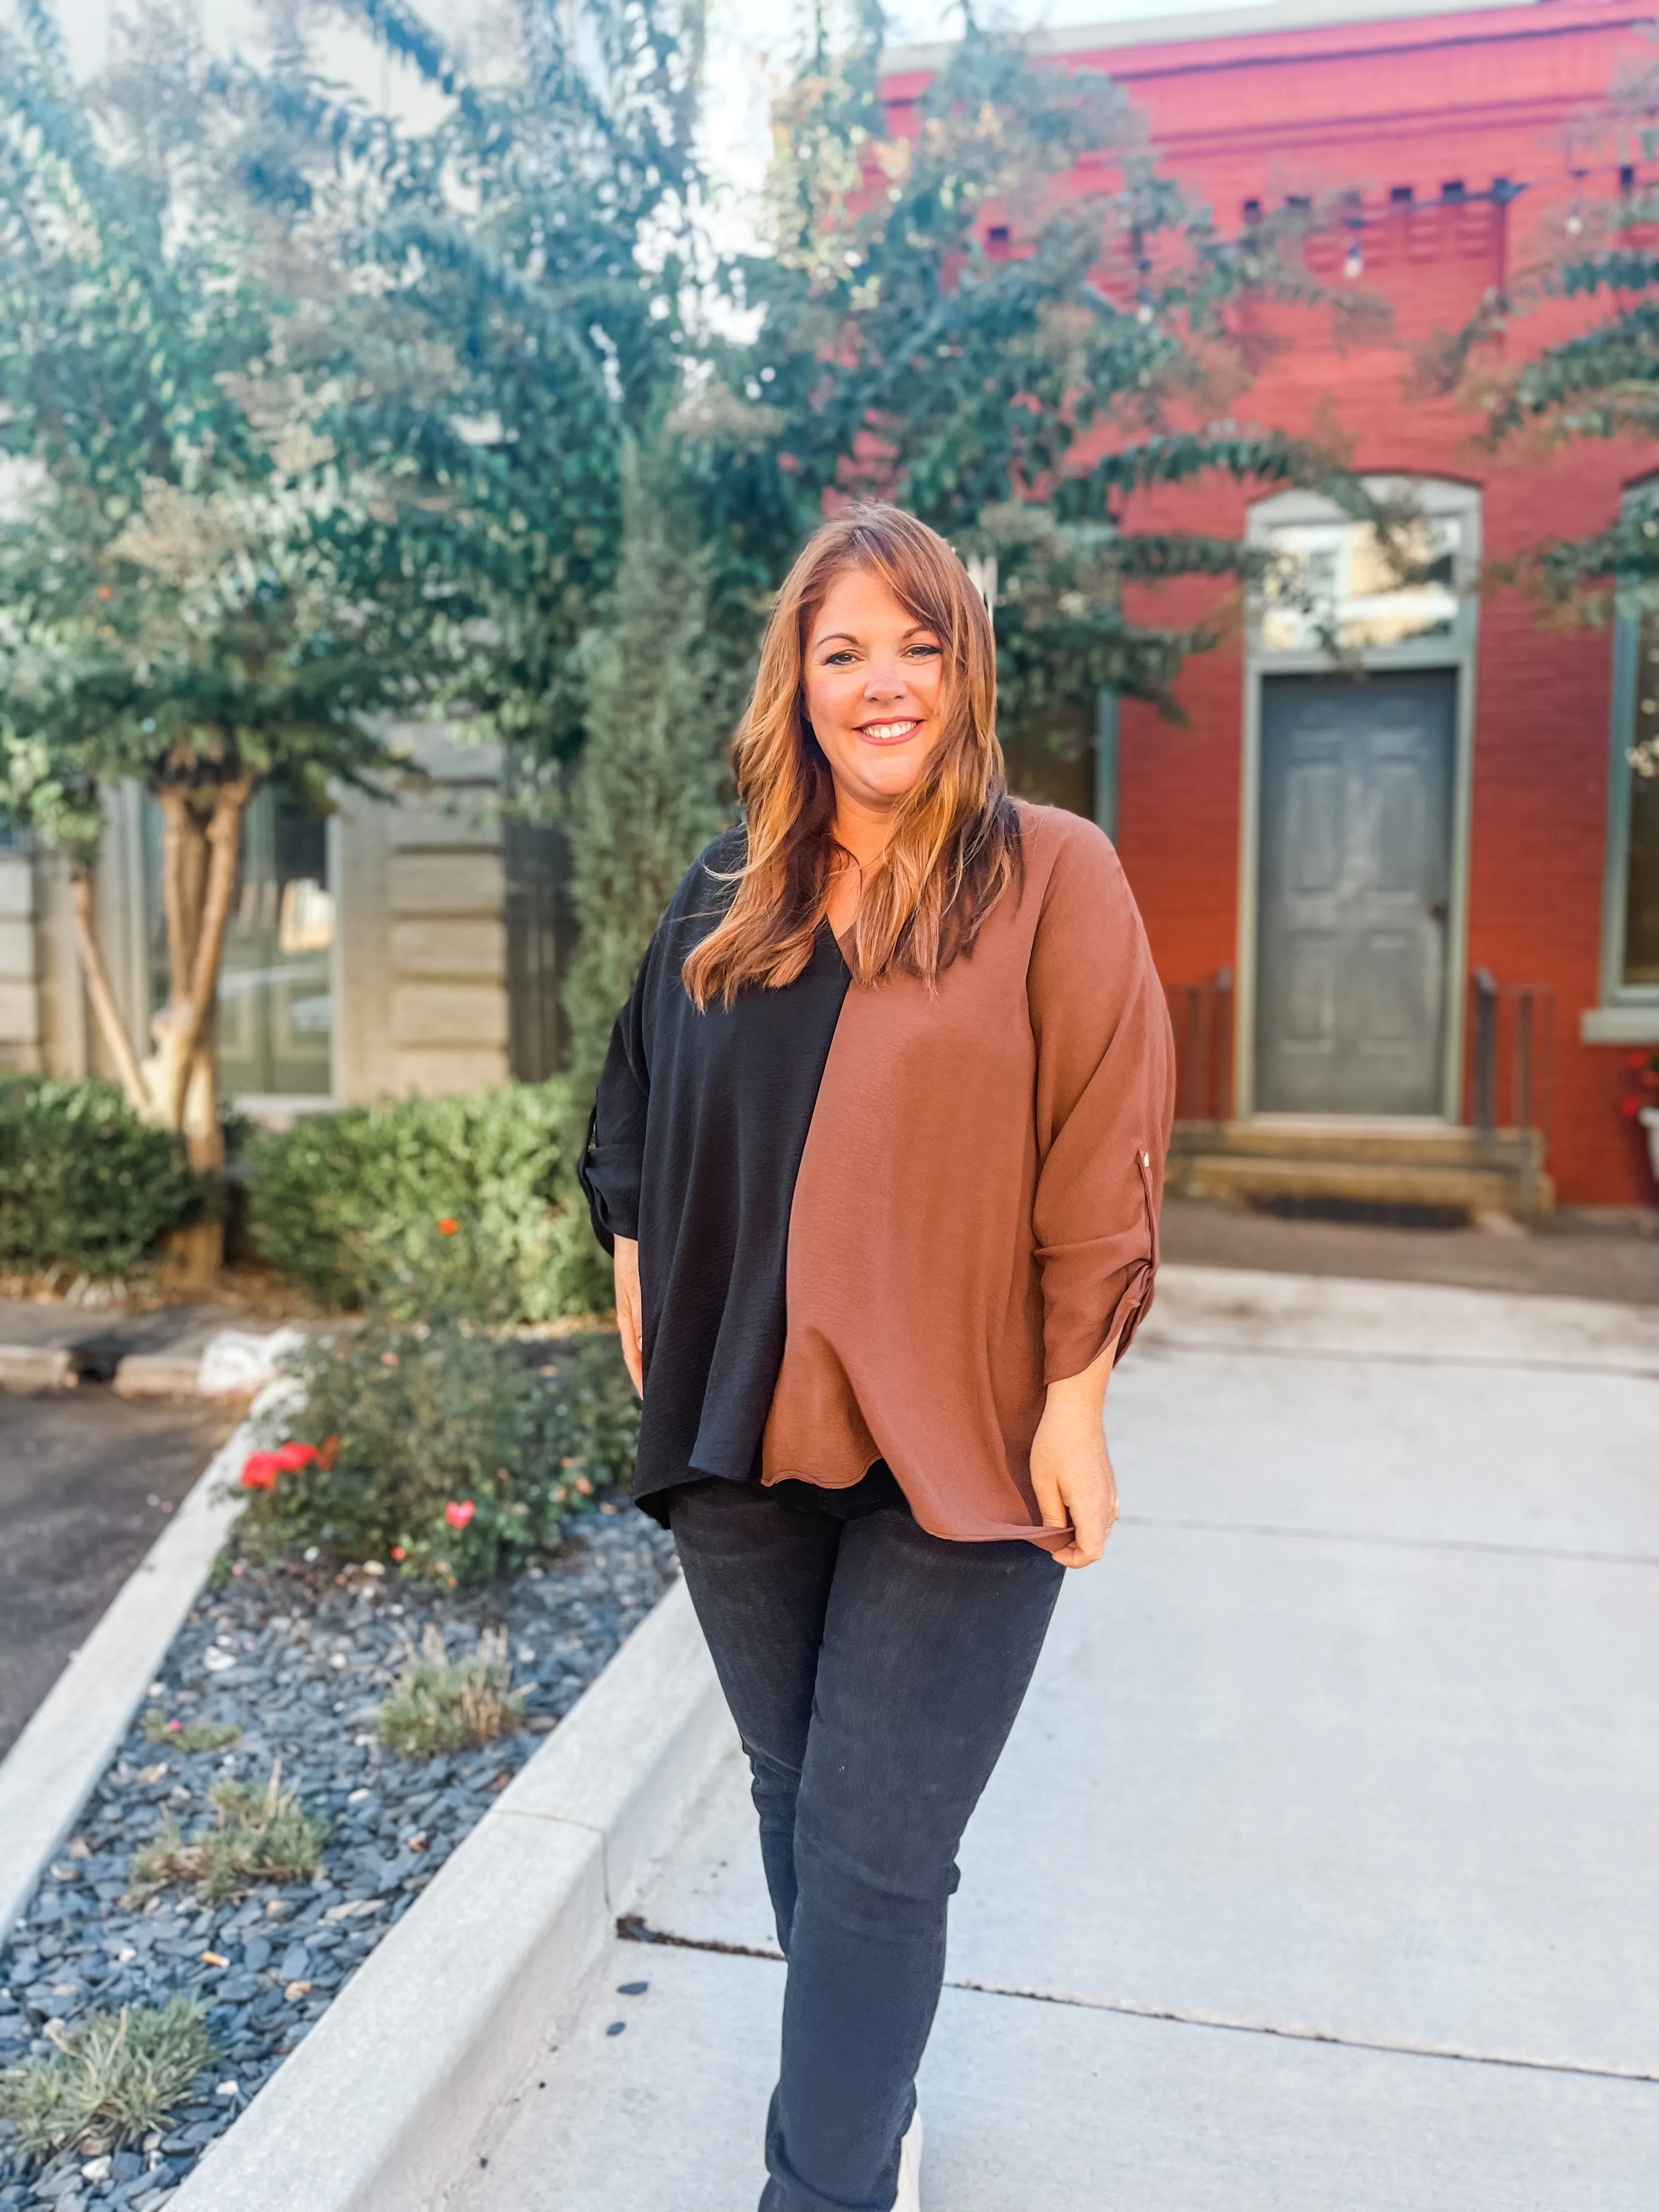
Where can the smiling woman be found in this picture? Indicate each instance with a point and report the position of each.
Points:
(877, 1148)
(868, 765)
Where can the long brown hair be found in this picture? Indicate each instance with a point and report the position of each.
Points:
(954, 845)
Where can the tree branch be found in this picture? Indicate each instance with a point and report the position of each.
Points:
(102, 992)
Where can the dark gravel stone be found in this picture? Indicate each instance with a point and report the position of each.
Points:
(81, 1948)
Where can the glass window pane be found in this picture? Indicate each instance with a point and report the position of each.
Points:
(1642, 884)
(1338, 582)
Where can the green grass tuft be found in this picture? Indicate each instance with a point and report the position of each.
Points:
(114, 2078)
(448, 1704)
(261, 1835)
(189, 1735)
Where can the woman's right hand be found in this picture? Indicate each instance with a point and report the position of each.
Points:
(626, 1263)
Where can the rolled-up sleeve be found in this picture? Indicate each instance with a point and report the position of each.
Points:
(613, 1158)
(1105, 1101)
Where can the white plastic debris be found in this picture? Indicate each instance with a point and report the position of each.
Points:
(237, 1360)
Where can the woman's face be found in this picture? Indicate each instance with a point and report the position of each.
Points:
(875, 689)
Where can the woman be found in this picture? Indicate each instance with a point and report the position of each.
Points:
(877, 1148)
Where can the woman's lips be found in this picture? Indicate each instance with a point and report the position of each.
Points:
(890, 734)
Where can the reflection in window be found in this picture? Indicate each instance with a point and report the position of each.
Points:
(1338, 583)
(1641, 960)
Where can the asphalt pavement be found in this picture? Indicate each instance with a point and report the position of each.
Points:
(87, 1481)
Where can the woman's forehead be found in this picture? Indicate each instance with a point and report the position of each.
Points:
(859, 601)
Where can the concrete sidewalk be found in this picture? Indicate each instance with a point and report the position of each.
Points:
(1318, 1873)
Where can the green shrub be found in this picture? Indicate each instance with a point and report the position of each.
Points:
(260, 1833)
(442, 1449)
(86, 1188)
(114, 2078)
(442, 1703)
(348, 1205)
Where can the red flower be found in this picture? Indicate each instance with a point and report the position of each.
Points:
(459, 1511)
(325, 1454)
(291, 1457)
(449, 1226)
(259, 1471)
(398, 1552)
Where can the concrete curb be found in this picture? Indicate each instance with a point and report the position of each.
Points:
(36, 1367)
(383, 2105)
(54, 1766)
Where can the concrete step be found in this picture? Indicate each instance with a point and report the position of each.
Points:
(1366, 1181)
(1416, 1143)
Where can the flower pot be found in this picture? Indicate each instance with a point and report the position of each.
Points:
(1648, 1117)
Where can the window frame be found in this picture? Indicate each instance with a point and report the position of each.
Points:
(1626, 1013)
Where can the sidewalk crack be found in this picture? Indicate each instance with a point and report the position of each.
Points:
(634, 1928)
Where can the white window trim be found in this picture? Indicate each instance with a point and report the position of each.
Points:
(1628, 1013)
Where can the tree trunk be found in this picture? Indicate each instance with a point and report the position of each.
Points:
(176, 1084)
(197, 1252)
(100, 991)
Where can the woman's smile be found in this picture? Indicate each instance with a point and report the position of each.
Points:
(888, 733)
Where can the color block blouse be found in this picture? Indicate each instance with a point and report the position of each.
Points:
(874, 1224)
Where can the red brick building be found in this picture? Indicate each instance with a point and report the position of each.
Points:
(1332, 872)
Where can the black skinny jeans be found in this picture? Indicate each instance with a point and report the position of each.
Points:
(874, 1672)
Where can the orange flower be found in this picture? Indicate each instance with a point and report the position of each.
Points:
(449, 1226)
(326, 1452)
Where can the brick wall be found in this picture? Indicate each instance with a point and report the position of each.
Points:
(1373, 108)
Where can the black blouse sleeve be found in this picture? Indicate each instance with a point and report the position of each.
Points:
(613, 1158)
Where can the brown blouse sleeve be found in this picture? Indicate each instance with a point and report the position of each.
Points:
(1105, 1100)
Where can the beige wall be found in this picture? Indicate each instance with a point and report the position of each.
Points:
(421, 961)
(20, 989)
(420, 957)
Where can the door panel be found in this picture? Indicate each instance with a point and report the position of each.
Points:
(1355, 876)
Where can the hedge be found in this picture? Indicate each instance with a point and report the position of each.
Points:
(86, 1188)
(348, 1205)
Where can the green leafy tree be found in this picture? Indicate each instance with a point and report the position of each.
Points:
(1601, 383)
(202, 583)
(660, 700)
(544, 229)
(1004, 318)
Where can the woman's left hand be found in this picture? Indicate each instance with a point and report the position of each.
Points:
(1071, 1466)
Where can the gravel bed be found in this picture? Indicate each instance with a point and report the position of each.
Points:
(302, 1659)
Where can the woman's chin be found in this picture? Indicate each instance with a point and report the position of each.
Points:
(881, 774)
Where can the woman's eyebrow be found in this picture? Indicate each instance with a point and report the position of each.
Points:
(829, 636)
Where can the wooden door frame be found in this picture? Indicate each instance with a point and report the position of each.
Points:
(1436, 496)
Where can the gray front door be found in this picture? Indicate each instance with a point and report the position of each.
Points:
(1355, 879)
